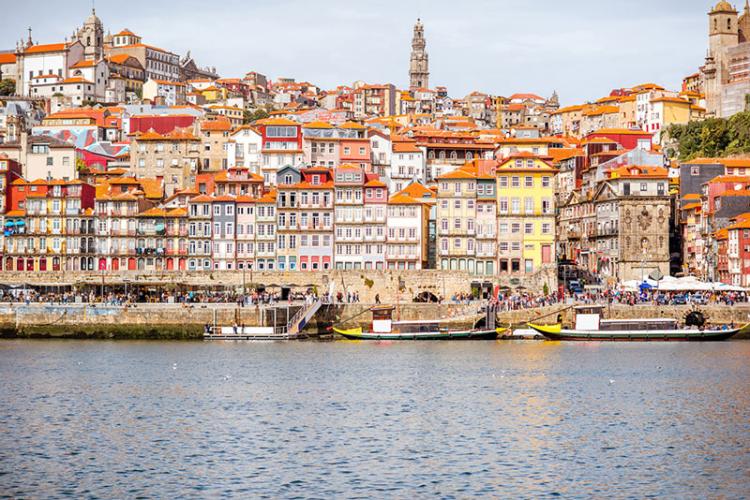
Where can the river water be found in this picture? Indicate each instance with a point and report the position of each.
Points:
(345, 419)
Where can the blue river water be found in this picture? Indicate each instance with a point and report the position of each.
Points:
(96, 419)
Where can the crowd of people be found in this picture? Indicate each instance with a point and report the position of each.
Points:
(507, 300)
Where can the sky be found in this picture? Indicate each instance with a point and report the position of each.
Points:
(580, 48)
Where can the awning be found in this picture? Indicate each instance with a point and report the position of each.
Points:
(9, 224)
(20, 223)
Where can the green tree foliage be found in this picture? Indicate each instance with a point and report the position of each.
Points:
(252, 116)
(714, 137)
(7, 87)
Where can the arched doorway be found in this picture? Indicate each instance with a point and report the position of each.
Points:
(425, 297)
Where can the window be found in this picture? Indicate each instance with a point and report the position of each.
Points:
(515, 181)
(528, 181)
(528, 228)
(503, 205)
(528, 205)
(545, 181)
(515, 204)
(503, 182)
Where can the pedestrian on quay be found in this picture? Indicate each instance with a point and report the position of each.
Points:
(377, 298)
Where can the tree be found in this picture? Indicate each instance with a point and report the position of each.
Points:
(252, 116)
(7, 87)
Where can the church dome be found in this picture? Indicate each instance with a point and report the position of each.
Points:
(723, 6)
(92, 19)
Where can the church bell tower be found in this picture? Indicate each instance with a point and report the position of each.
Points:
(419, 65)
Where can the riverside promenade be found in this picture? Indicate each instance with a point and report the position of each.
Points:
(178, 321)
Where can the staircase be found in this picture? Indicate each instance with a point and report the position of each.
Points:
(302, 318)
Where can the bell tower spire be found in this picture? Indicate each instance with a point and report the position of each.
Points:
(419, 65)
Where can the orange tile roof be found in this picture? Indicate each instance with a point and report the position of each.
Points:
(417, 190)
(459, 174)
(674, 100)
(77, 79)
(731, 178)
(50, 47)
(125, 32)
(317, 125)
(375, 183)
(691, 196)
(352, 125)
(405, 147)
(403, 199)
(269, 197)
(7, 58)
(621, 131)
(221, 124)
(691, 206)
(277, 121)
(119, 58)
(86, 63)
(639, 172)
(561, 154)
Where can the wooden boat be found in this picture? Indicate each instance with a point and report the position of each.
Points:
(590, 326)
(384, 328)
(265, 333)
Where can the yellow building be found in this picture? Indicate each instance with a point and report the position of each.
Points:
(456, 219)
(526, 214)
(214, 93)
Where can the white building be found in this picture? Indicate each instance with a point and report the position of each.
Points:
(407, 233)
(244, 149)
(407, 165)
(167, 92)
(50, 59)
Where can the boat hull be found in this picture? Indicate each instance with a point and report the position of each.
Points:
(358, 334)
(556, 332)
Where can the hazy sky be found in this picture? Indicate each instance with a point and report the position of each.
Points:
(581, 48)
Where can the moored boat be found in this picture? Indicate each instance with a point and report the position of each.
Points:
(384, 328)
(591, 327)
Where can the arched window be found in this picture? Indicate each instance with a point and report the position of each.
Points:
(716, 24)
(729, 24)
(431, 155)
(442, 155)
(469, 156)
(88, 41)
(454, 155)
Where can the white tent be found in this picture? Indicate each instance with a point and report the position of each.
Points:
(686, 284)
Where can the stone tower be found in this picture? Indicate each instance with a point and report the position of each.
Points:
(419, 65)
(723, 32)
(91, 35)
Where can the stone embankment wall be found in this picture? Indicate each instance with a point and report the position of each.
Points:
(171, 321)
(391, 286)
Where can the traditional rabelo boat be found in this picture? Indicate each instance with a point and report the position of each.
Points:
(590, 326)
(384, 328)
